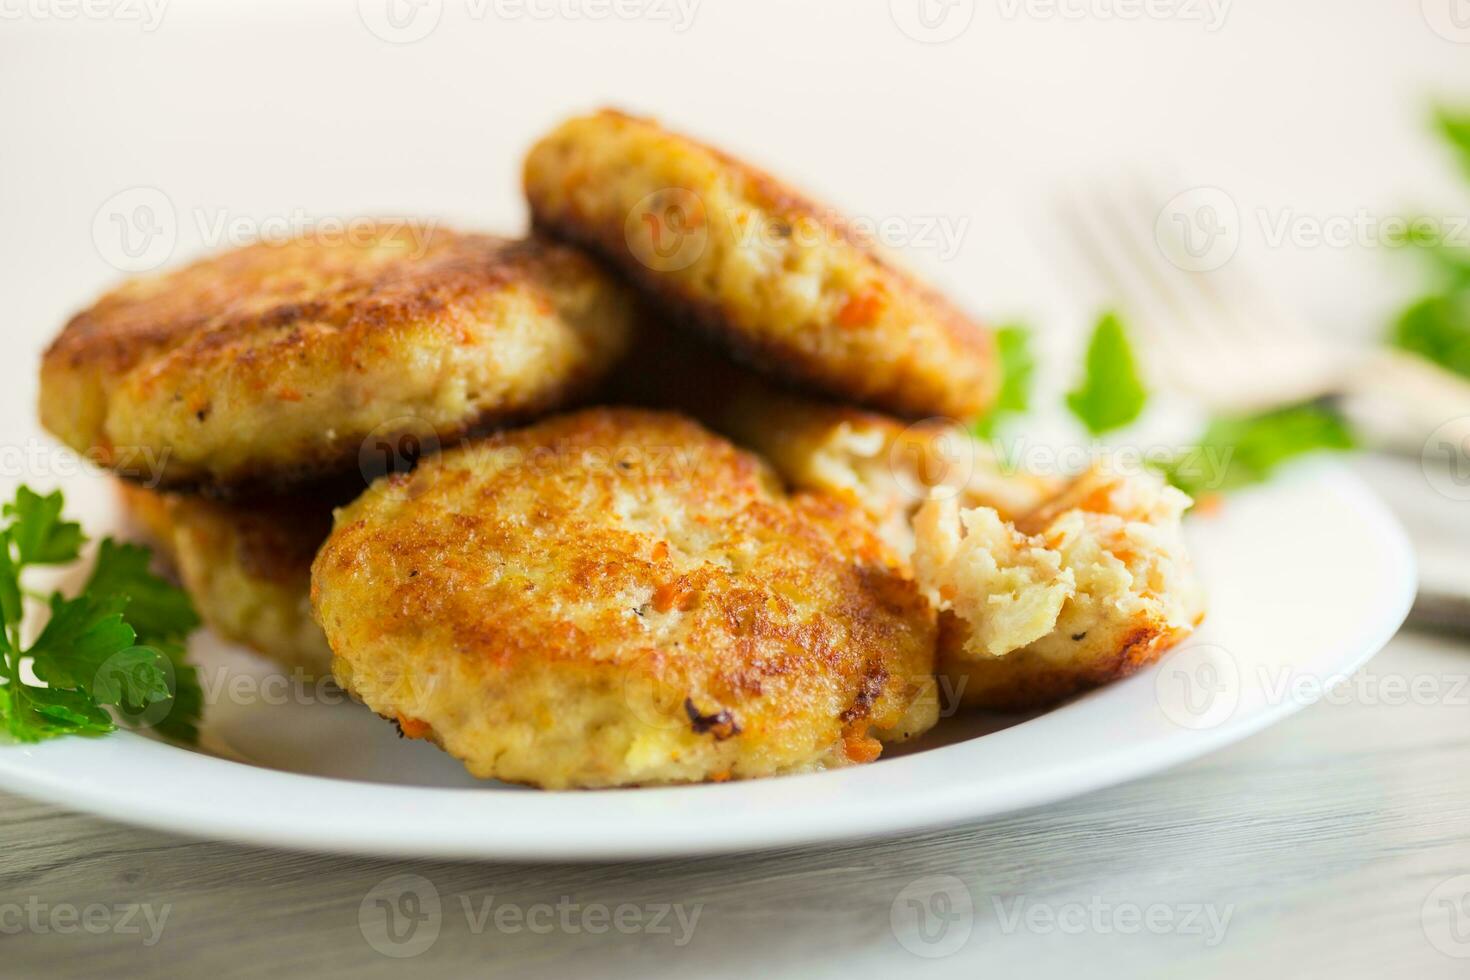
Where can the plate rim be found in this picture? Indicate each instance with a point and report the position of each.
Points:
(955, 803)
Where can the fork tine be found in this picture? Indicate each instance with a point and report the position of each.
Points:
(1234, 291)
(1256, 358)
(1223, 339)
(1093, 244)
(1283, 356)
(1197, 310)
(1230, 294)
(1190, 358)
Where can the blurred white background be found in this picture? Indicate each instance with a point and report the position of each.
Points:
(136, 133)
(1303, 111)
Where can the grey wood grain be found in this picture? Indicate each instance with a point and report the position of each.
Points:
(1315, 845)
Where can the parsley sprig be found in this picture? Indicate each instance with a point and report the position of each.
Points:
(1436, 325)
(1017, 365)
(1111, 393)
(1233, 451)
(1253, 447)
(118, 643)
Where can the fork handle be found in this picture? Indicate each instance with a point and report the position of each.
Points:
(1441, 612)
(1397, 400)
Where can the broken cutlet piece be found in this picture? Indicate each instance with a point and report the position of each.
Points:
(1088, 587)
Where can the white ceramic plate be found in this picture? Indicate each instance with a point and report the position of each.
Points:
(1308, 578)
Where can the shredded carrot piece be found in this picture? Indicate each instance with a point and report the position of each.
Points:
(1209, 503)
(661, 551)
(1097, 502)
(861, 308)
(861, 748)
(672, 595)
(412, 727)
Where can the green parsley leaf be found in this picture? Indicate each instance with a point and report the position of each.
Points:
(1242, 450)
(1454, 126)
(163, 615)
(1449, 261)
(1437, 327)
(40, 713)
(120, 642)
(1111, 393)
(11, 607)
(179, 721)
(39, 534)
(1013, 345)
(133, 678)
(87, 647)
(81, 635)
(157, 609)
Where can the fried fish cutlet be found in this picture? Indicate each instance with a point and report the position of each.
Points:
(267, 366)
(886, 467)
(1086, 588)
(789, 286)
(875, 461)
(246, 566)
(617, 597)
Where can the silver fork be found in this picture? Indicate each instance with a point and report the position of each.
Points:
(1212, 333)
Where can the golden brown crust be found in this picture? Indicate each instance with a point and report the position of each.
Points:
(820, 308)
(618, 597)
(1024, 680)
(884, 465)
(268, 366)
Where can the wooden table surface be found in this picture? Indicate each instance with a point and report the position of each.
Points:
(1327, 846)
